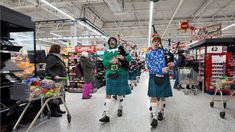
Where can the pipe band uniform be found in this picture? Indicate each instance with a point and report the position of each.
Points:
(116, 78)
(159, 81)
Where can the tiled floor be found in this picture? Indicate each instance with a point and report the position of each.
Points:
(184, 113)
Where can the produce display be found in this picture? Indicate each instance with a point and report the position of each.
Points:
(44, 87)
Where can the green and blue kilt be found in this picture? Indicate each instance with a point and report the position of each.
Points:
(118, 87)
(163, 90)
(132, 75)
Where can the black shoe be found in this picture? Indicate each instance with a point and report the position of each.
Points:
(160, 116)
(105, 118)
(61, 111)
(177, 88)
(115, 97)
(119, 112)
(150, 108)
(164, 105)
(56, 114)
(154, 123)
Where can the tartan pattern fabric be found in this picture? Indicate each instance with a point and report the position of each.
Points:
(119, 86)
(138, 72)
(163, 90)
(155, 61)
(132, 75)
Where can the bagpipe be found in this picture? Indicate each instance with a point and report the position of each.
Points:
(169, 57)
(122, 51)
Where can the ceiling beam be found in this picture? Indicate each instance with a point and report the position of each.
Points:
(172, 17)
(201, 9)
(58, 3)
(222, 8)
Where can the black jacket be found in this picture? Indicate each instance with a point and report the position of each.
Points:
(55, 66)
(181, 61)
(193, 64)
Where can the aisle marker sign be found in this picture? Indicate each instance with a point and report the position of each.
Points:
(206, 32)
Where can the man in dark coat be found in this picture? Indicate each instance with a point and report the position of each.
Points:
(179, 63)
(88, 68)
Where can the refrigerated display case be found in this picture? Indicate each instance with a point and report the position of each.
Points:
(215, 60)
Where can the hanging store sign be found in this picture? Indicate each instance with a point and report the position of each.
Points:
(214, 49)
(184, 25)
(206, 32)
(91, 48)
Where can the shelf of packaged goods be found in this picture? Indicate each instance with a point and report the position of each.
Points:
(217, 70)
(217, 65)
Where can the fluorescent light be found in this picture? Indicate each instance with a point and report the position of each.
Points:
(232, 25)
(49, 4)
(57, 35)
(72, 18)
(150, 22)
(70, 37)
(194, 42)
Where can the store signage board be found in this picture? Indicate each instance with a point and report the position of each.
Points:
(214, 49)
(207, 32)
(100, 52)
(218, 58)
(90, 48)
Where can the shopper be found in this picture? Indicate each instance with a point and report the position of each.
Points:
(159, 82)
(190, 62)
(88, 68)
(116, 78)
(179, 64)
(55, 68)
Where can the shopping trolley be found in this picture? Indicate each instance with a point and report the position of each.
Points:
(187, 76)
(56, 93)
(220, 85)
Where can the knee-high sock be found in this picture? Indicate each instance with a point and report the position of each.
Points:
(107, 106)
(154, 108)
(162, 102)
(120, 99)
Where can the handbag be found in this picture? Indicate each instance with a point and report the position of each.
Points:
(113, 76)
(158, 80)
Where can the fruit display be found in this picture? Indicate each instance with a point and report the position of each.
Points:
(24, 63)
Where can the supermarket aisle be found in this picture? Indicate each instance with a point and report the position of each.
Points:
(183, 114)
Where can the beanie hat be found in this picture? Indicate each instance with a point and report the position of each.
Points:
(156, 37)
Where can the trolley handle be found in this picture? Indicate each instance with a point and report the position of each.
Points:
(60, 78)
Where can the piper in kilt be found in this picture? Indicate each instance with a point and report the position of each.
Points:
(116, 78)
(159, 83)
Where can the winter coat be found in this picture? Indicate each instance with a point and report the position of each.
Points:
(181, 61)
(55, 66)
(87, 67)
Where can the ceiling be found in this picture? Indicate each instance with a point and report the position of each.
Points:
(129, 18)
